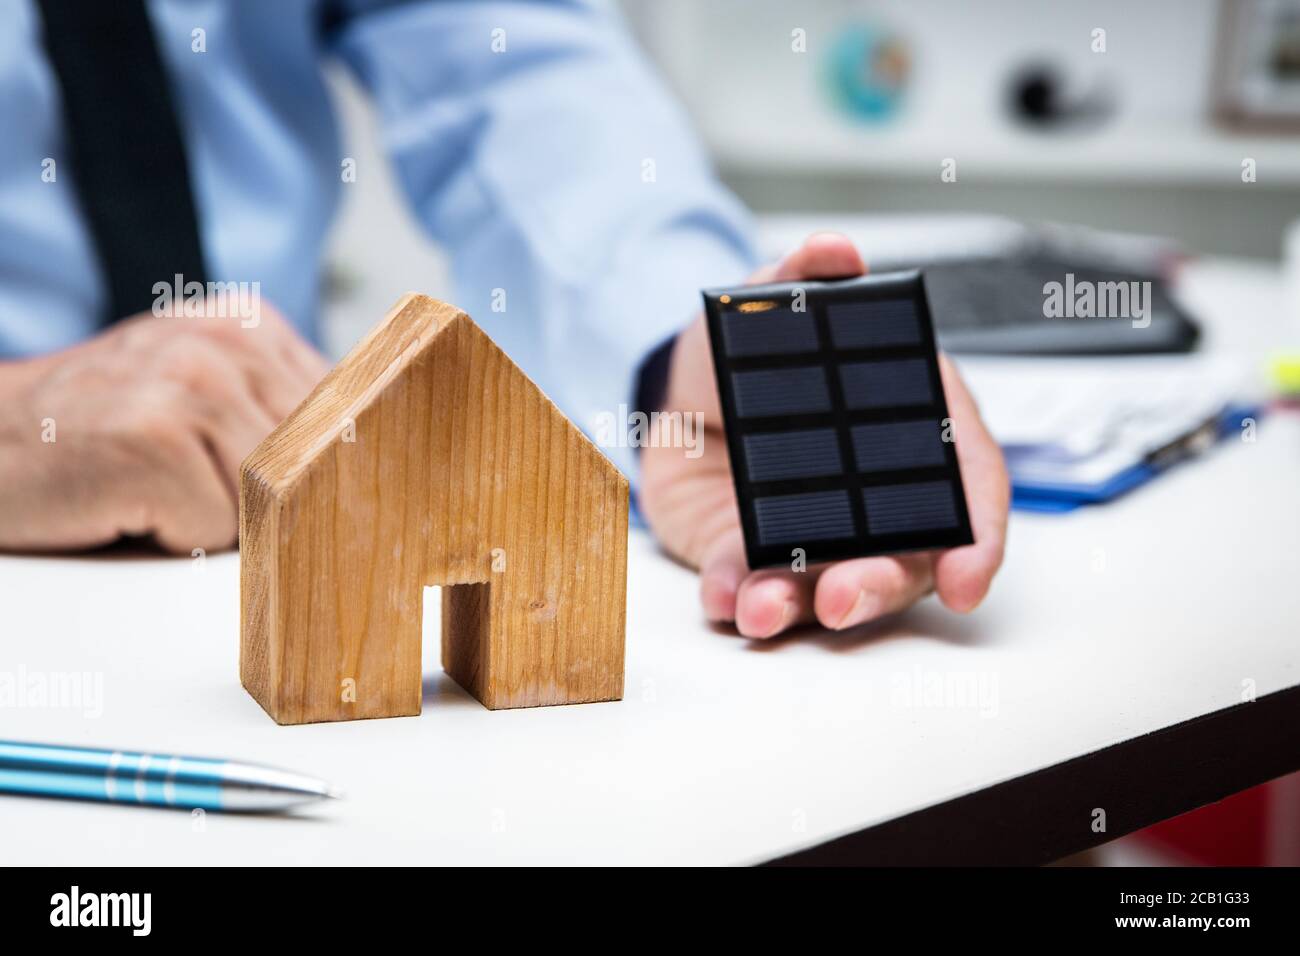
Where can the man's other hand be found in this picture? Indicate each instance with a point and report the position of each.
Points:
(141, 430)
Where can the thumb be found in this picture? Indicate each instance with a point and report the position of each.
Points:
(823, 255)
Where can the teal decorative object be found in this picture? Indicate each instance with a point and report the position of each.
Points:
(867, 72)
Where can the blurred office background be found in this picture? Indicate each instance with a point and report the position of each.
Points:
(824, 111)
(1046, 117)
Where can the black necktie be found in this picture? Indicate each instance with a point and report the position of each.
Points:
(125, 147)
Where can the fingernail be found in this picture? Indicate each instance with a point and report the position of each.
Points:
(863, 607)
(788, 611)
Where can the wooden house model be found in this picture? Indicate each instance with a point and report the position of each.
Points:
(426, 457)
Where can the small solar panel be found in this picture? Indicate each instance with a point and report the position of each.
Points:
(836, 419)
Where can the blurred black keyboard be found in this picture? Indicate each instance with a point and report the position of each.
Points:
(999, 306)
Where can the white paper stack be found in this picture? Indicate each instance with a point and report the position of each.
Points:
(1087, 429)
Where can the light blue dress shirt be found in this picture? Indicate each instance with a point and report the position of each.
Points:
(530, 138)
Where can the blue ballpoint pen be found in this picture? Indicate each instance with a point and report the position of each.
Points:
(125, 776)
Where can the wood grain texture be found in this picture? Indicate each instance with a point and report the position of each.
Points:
(426, 457)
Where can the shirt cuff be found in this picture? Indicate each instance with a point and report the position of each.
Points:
(652, 377)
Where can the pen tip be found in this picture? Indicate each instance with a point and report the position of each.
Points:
(333, 793)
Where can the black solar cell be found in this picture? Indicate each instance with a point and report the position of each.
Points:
(777, 456)
(778, 332)
(862, 325)
(782, 391)
(812, 516)
(890, 446)
(836, 419)
(919, 506)
(886, 384)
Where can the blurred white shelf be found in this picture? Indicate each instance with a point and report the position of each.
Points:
(1112, 154)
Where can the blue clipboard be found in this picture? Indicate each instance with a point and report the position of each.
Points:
(1061, 498)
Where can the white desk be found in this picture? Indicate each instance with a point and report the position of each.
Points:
(1103, 626)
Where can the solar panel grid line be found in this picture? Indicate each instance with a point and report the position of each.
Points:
(874, 393)
(872, 479)
(852, 416)
(775, 361)
(786, 486)
(838, 409)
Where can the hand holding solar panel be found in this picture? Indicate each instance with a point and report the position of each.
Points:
(837, 426)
